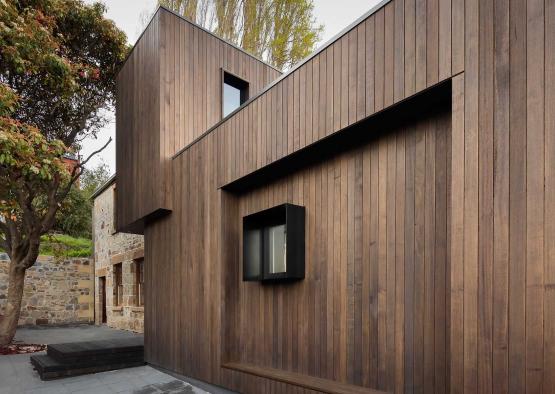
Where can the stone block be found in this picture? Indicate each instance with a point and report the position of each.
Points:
(51, 291)
(88, 268)
(84, 313)
(101, 272)
(85, 284)
(137, 253)
(117, 258)
(89, 298)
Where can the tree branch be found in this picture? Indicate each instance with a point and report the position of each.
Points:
(53, 204)
(13, 234)
(3, 227)
(4, 244)
(26, 205)
(55, 199)
(5, 232)
(82, 164)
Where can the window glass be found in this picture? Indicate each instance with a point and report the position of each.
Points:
(232, 99)
(235, 93)
(252, 253)
(274, 244)
(139, 285)
(277, 240)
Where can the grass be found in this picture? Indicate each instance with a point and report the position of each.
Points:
(61, 245)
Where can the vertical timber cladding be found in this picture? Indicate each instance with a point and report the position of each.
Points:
(169, 93)
(376, 241)
(501, 311)
(372, 309)
(138, 130)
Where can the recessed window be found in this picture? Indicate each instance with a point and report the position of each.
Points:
(235, 93)
(139, 282)
(118, 285)
(114, 211)
(273, 244)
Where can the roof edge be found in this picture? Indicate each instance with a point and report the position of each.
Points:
(103, 187)
(320, 49)
(162, 7)
(220, 38)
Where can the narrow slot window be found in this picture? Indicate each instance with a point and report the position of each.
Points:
(114, 210)
(118, 285)
(235, 92)
(139, 282)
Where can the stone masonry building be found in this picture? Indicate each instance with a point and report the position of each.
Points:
(56, 291)
(118, 257)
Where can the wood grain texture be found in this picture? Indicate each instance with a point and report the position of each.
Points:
(430, 255)
(357, 200)
(172, 81)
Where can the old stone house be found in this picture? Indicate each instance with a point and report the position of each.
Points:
(118, 258)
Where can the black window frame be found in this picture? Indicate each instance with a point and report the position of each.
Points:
(293, 217)
(228, 78)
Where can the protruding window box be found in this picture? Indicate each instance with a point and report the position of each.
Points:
(274, 244)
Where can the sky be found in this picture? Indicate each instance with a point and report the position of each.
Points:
(129, 15)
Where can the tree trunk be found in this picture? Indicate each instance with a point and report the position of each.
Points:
(8, 322)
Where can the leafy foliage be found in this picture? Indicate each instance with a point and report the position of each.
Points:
(58, 63)
(61, 57)
(28, 161)
(93, 178)
(75, 214)
(281, 32)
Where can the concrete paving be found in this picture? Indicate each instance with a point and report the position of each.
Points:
(79, 333)
(18, 377)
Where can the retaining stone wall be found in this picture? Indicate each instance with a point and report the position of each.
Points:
(56, 292)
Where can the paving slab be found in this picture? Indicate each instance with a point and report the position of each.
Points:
(18, 377)
(144, 379)
(63, 334)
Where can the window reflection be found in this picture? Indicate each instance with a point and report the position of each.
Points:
(277, 241)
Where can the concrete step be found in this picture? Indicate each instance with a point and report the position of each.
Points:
(75, 352)
(78, 358)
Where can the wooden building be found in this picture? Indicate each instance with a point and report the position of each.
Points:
(418, 147)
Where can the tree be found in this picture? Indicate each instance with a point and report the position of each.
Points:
(75, 214)
(281, 32)
(58, 62)
(93, 178)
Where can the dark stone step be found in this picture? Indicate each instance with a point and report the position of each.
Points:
(74, 358)
(49, 369)
(78, 350)
(99, 358)
(78, 358)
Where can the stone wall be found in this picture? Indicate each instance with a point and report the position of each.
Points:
(111, 248)
(56, 291)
